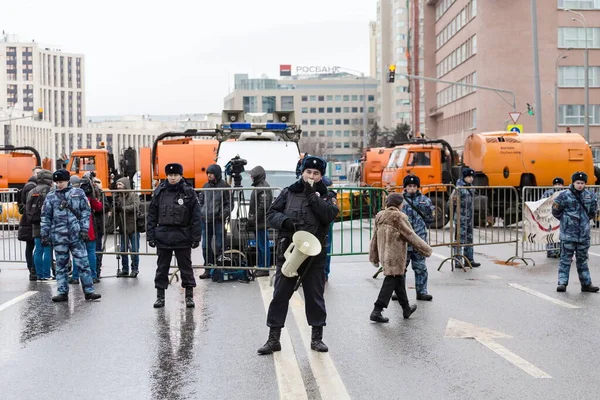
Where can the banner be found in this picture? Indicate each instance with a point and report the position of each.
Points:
(539, 225)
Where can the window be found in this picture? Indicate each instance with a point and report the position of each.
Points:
(371, 97)
(338, 109)
(346, 122)
(304, 98)
(346, 133)
(354, 97)
(304, 122)
(287, 103)
(329, 98)
(313, 121)
(338, 145)
(422, 158)
(579, 4)
(268, 104)
(371, 109)
(338, 97)
(338, 133)
(346, 145)
(400, 24)
(322, 133)
(338, 121)
(321, 98)
(354, 109)
(346, 109)
(573, 76)
(329, 133)
(304, 134)
(304, 110)
(575, 37)
(573, 114)
(313, 98)
(321, 122)
(346, 97)
(329, 122)
(87, 163)
(329, 110)
(250, 104)
(313, 110)
(355, 145)
(322, 110)
(313, 133)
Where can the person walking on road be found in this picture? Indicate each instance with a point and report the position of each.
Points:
(391, 236)
(419, 210)
(42, 255)
(553, 249)
(466, 211)
(574, 208)
(25, 232)
(127, 206)
(173, 226)
(260, 201)
(306, 205)
(65, 223)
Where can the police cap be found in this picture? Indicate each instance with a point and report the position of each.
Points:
(314, 162)
(579, 176)
(61, 175)
(174, 169)
(411, 180)
(558, 181)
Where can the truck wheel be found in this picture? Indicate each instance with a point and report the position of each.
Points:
(441, 213)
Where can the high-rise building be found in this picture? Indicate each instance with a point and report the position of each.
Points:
(391, 48)
(329, 107)
(489, 43)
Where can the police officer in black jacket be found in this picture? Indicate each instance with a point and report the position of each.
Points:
(307, 207)
(173, 225)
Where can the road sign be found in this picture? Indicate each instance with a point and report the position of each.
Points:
(514, 116)
(515, 128)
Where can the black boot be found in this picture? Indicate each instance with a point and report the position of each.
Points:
(206, 274)
(316, 342)
(424, 296)
(160, 298)
(407, 312)
(189, 297)
(273, 343)
(590, 288)
(60, 297)
(376, 315)
(92, 296)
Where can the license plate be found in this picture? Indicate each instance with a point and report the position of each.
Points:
(252, 243)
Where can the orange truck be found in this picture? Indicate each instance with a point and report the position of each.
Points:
(16, 165)
(372, 164)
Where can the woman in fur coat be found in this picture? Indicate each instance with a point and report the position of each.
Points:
(391, 237)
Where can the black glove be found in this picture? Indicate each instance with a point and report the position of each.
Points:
(152, 243)
(46, 241)
(194, 245)
(308, 189)
(84, 236)
(288, 224)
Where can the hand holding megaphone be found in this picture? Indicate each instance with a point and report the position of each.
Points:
(304, 244)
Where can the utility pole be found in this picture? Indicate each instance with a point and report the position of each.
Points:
(536, 68)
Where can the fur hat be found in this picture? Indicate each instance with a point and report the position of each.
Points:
(61, 175)
(394, 200)
(579, 176)
(558, 180)
(174, 168)
(411, 180)
(467, 172)
(314, 162)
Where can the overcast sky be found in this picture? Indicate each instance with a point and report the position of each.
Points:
(180, 56)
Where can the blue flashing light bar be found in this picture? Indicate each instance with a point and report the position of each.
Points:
(276, 126)
(269, 126)
(241, 125)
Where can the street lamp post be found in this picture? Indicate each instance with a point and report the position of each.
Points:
(586, 74)
(556, 104)
(536, 68)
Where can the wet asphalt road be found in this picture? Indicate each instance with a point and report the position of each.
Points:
(120, 347)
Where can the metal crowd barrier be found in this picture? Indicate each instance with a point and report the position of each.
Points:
(12, 249)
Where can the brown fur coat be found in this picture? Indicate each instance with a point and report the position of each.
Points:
(391, 237)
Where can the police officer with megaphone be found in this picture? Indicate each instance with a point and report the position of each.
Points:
(306, 205)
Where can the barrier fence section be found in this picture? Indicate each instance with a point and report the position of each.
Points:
(536, 193)
(11, 248)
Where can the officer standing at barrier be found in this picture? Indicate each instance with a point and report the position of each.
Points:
(575, 208)
(465, 226)
(306, 205)
(553, 250)
(65, 223)
(260, 201)
(173, 225)
(419, 210)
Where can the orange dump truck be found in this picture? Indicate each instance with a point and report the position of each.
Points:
(16, 165)
(372, 165)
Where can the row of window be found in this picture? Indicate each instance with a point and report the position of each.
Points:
(462, 122)
(268, 103)
(330, 110)
(338, 97)
(458, 56)
(575, 37)
(579, 4)
(322, 122)
(55, 76)
(441, 8)
(455, 92)
(574, 76)
(338, 145)
(461, 19)
(330, 133)
(573, 114)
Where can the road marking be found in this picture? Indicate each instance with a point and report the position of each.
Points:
(464, 330)
(289, 377)
(440, 256)
(328, 380)
(17, 299)
(543, 296)
(493, 277)
(593, 254)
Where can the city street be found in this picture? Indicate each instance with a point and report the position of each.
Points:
(499, 331)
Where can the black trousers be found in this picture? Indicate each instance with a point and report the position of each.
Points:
(313, 286)
(391, 283)
(184, 262)
(29, 246)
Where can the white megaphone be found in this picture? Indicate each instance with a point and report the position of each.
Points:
(304, 244)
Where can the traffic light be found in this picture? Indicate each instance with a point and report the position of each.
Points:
(391, 73)
(40, 114)
(530, 110)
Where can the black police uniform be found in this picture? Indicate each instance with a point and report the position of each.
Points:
(310, 210)
(173, 225)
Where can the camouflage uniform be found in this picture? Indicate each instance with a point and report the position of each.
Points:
(425, 207)
(574, 232)
(465, 210)
(552, 249)
(62, 227)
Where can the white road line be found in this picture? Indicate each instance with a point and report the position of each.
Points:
(493, 277)
(440, 256)
(512, 357)
(593, 254)
(289, 377)
(328, 380)
(543, 296)
(17, 299)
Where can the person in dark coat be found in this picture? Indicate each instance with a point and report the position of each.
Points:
(25, 232)
(306, 205)
(260, 201)
(173, 225)
(127, 207)
(215, 208)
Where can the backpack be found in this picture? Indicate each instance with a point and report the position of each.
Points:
(232, 258)
(35, 201)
